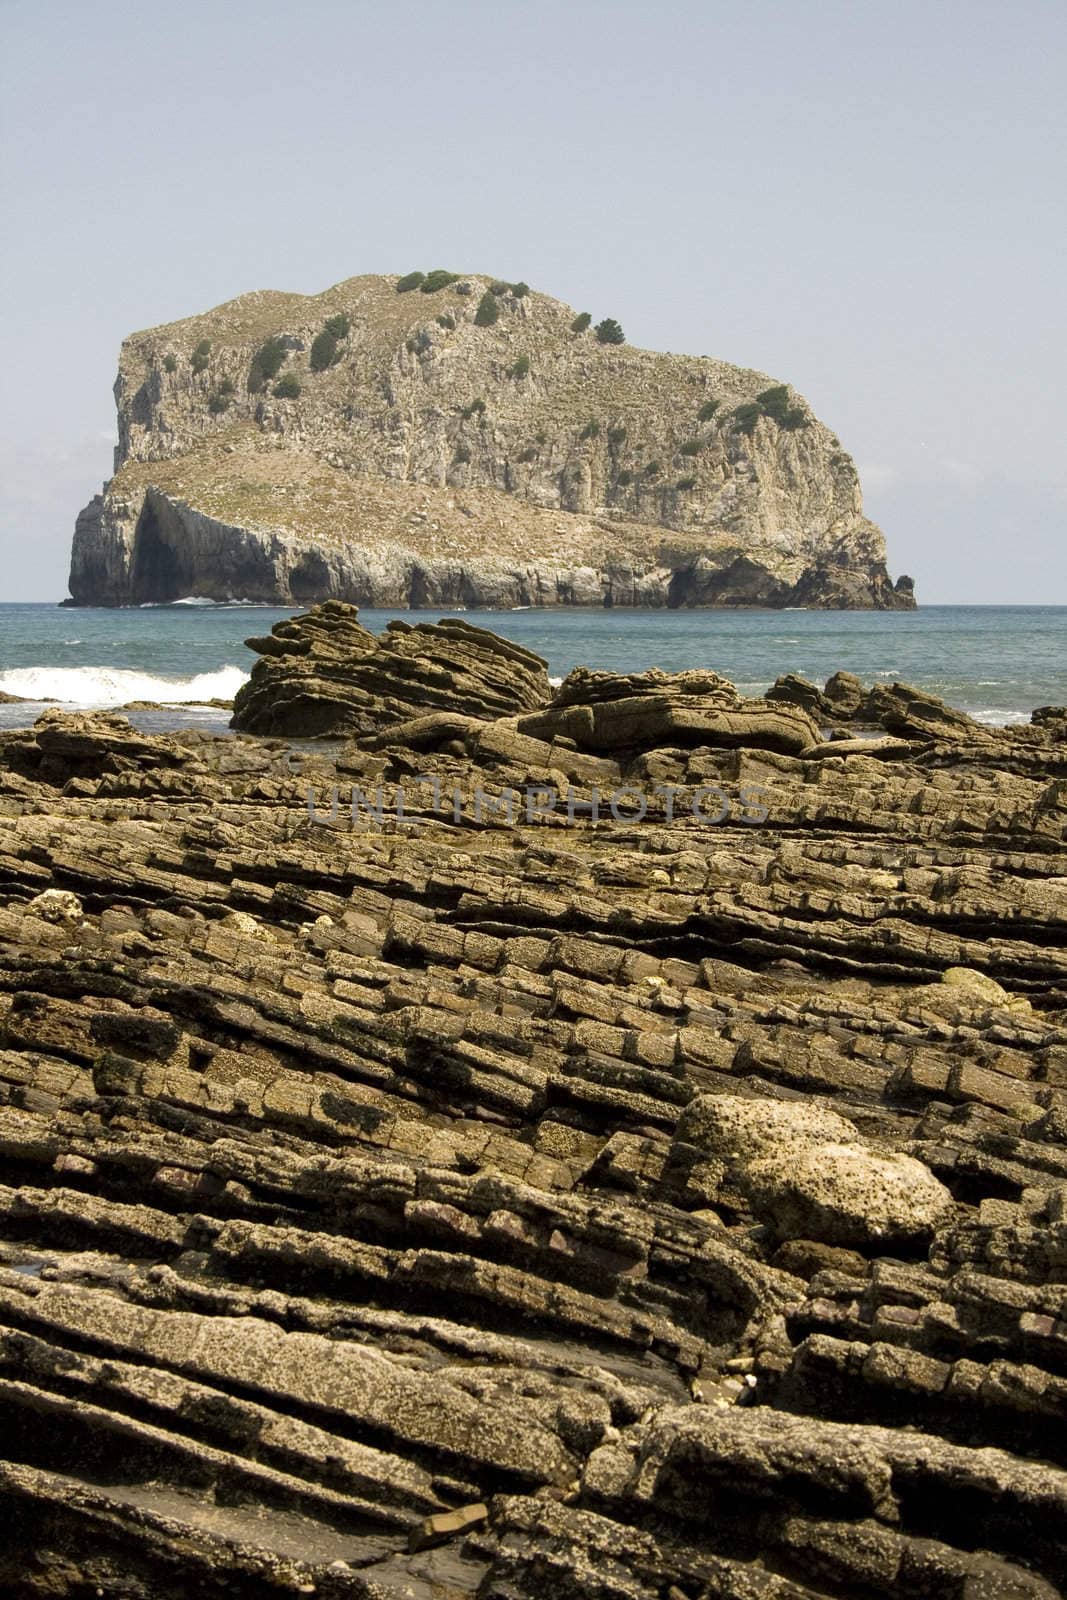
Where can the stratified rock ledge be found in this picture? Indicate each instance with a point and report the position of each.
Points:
(429, 1206)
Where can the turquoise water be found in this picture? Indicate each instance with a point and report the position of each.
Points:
(997, 662)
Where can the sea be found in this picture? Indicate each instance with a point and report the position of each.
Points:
(995, 662)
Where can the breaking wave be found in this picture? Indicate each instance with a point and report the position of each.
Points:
(115, 686)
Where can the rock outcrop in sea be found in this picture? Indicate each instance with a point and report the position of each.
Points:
(606, 1201)
(416, 449)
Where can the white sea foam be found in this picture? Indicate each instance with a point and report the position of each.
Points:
(114, 686)
(204, 600)
(999, 717)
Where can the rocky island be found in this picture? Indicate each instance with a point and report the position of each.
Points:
(448, 440)
(657, 1192)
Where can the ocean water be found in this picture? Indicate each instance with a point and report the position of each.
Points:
(996, 662)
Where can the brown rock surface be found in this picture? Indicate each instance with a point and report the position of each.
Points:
(362, 1173)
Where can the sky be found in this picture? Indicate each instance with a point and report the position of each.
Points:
(865, 199)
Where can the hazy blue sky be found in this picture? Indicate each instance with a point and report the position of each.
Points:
(864, 199)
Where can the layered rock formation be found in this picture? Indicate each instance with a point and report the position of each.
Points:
(419, 1205)
(422, 457)
(324, 674)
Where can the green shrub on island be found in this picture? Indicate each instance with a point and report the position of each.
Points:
(488, 310)
(446, 320)
(610, 332)
(520, 290)
(581, 322)
(590, 431)
(219, 403)
(624, 478)
(520, 368)
(462, 456)
(440, 278)
(775, 401)
(324, 351)
(527, 455)
(686, 483)
(170, 363)
(653, 469)
(339, 325)
(747, 415)
(475, 408)
(200, 355)
(287, 387)
(414, 280)
(708, 410)
(616, 436)
(772, 403)
(227, 386)
(500, 287)
(267, 363)
(691, 447)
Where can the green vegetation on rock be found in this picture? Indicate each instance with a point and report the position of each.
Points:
(772, 403)
(686, 483)
(170, 362)
(616, 436)
(461, 456)
(519, 368)
(339, 325)
(475, 408)
(591, 430)
(288, 387)
(747, 415)
(219, 403)
(610, 332)
(581, 322)
(413, 280)
(691, 447)
(440, 278)
(267, 363)
(529, 454)
(324, 351)
(200, 355)
(708, 410)
(488, 310)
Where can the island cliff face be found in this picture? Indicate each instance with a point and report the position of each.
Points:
(472, 445)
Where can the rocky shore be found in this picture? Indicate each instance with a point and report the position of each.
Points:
(656, 1193)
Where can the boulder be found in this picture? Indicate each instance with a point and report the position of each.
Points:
(845, 693)
(793, 690)
(739, 1130)
(845, 1194)
(805, 1172)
